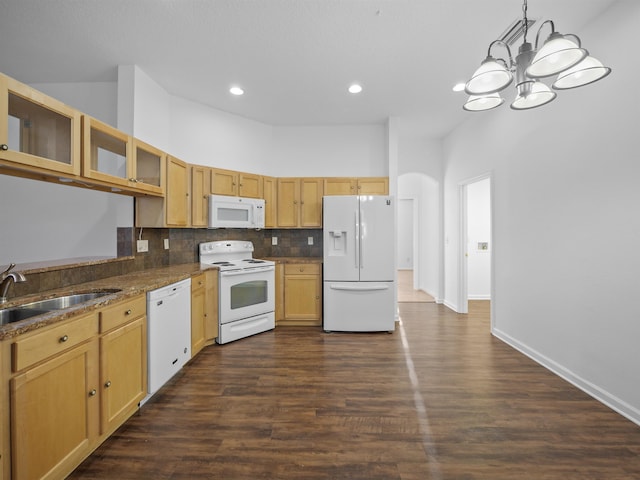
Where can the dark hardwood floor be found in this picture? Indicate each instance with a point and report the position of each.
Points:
(438, 399)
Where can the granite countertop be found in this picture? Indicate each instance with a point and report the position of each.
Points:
(129, 285)
(295, 259)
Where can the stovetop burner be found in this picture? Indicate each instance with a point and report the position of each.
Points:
(230, 255)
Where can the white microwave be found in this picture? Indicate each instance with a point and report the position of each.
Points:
(235, 212)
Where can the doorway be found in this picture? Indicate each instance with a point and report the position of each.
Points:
(476, 243)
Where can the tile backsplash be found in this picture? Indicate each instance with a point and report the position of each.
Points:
(183, 248)
(183, 243)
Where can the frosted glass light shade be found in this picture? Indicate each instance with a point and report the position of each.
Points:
(556, 55)
(587, 71)
(483, 102)
(532, 95)
(491, 76)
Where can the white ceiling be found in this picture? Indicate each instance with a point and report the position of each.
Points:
(294, 58)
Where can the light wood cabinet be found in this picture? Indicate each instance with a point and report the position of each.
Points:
(148, 171)
(356, 186)
(279, 292)
(229, 182)
(200, 190)
(55, 410)
(70, 385)
(270, 195)
(177, 195)
(224, 182)
(198, 299)
(204, 310)
(123, 361)
(299, 202)
(174, 209)
(37, 132)
(302, 294)
(106, 153)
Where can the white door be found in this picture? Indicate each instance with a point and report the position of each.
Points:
(378, 236)
(341, 248)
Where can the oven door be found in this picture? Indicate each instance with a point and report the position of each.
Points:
(246, 293)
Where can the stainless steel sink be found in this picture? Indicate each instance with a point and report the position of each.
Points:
(22, 312)
(10, 315)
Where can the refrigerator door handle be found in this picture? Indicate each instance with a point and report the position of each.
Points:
(357, 238)
(359, 288)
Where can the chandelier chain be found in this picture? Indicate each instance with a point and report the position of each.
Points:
(525, 20)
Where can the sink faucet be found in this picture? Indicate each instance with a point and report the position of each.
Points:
(6, 278)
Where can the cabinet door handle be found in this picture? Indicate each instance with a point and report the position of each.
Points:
(92, 393)
(64, 338)
(128, 312)
(4, 146)
(108, 384)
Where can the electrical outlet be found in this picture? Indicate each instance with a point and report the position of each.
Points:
(274, 240)
(166, 244)
(142, 246)
(309, 240)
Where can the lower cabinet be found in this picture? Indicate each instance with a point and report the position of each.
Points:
(204, 310)
(70, 386)
(301, 294)
(54, 414)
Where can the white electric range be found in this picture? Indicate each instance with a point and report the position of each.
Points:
(246, 289)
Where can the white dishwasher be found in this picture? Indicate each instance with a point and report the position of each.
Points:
(169, 332)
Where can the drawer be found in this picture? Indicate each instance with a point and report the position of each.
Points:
(198, 281)
(302, 269)
(52, 340)
(123, 312)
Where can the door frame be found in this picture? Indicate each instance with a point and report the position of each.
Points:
(463, 273)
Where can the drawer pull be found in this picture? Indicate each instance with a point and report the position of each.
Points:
(64, 338)
(128, 312)
(108, 384)
(92, 393)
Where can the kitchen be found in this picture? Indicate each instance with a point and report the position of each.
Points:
(592, 171)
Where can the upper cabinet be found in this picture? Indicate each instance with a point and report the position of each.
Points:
(356, 186)
(270, 195)
(173, 210)
(229, 182)
(200, 189)
(37, 131)
(106, 152)
(116, 159)
(299, 202)
(148, 168)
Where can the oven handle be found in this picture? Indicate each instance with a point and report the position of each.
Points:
(247, 272)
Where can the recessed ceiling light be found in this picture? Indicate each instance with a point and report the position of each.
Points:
(236, 91)
(458, 87)
(355, 88)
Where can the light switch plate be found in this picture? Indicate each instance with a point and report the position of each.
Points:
(166, 244)
(309, 240)
(142, 246)
(274, 240)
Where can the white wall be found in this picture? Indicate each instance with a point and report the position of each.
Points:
(565, 186)
(332, 151)
(479, 230)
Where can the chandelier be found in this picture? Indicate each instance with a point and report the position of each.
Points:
(560, 55)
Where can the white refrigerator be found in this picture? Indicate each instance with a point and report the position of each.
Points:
(359, 263)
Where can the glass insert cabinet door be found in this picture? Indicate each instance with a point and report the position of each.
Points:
(107, 152)
(37, 130)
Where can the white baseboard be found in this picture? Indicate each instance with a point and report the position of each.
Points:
(450, 306)
(596, 392)
(479, 297)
